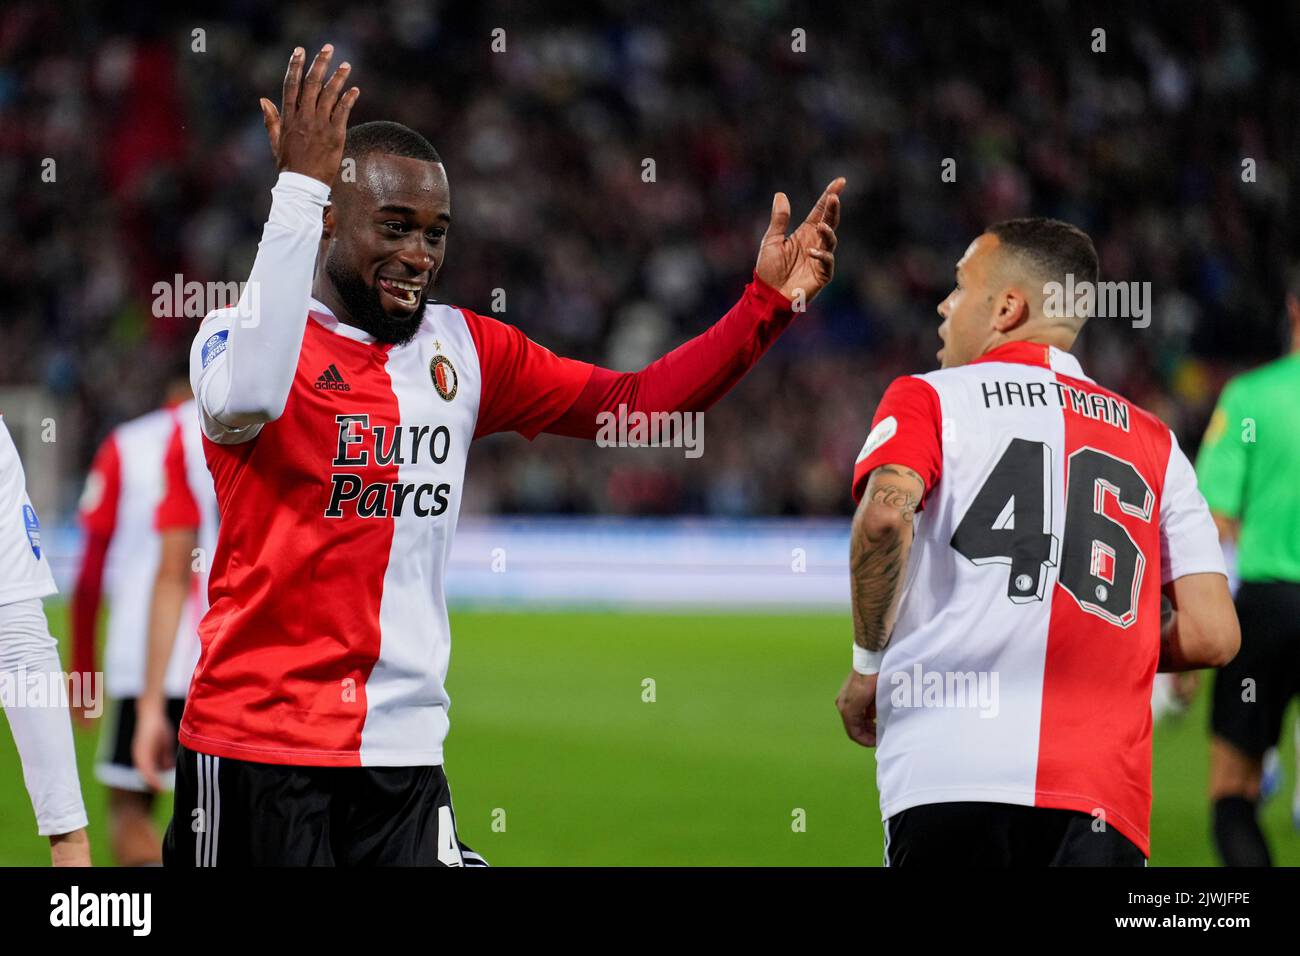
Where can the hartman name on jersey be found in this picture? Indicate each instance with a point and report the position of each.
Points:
(1094, 405)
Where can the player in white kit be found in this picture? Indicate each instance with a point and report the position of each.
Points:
(29, 659)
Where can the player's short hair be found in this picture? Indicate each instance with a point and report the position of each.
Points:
(385, 136)
(1052, 248)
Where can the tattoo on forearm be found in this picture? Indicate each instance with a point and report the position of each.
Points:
(877, 566)
(875, 572)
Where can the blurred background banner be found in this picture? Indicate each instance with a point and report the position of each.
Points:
(631, 564)
(622, 563)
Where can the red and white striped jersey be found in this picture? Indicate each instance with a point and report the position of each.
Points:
(327, 641)
(339, 465)
(1020, 666)
(189, 503)
(127, 483)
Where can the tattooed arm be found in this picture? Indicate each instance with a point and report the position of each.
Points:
(880, 543)
(878, 551)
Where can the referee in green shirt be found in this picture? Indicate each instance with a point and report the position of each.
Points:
(1249, 472)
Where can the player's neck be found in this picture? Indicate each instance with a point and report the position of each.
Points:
(1053, 336)
(325, 293)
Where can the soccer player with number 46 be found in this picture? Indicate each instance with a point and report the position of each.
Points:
(1016, 526)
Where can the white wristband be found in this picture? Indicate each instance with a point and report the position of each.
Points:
(866, 662)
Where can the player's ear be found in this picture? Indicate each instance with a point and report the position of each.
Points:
(1011, 309)
(328, 222)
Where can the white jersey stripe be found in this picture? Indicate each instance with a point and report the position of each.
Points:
(216, 807)
(925, 753)
(416, 648)
(200, 767)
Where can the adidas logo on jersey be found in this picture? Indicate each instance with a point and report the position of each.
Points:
(331, 381)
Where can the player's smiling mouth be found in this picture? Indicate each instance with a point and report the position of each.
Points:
(402, 291)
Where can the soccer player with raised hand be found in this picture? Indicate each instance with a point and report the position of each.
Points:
(338, 403)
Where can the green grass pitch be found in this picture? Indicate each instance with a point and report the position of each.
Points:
(556, 757)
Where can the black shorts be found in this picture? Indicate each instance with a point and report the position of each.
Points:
(1003, 835)
(236, 813)
(1266, 671)
(114, 767)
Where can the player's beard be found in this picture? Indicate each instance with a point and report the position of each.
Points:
(366, 311)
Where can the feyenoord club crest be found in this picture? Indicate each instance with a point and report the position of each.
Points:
(444, 376)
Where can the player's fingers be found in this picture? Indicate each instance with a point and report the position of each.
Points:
(329, 97)
(344, 108)
(292, 82)
(850, 715)
(825, 262)
(780, 216)
(827, 235)
(161, 758)
(824, 202)
(271, 119)
(818, 211)
(867, 724)
(862, 733)
(832, 213)
(311, 86)
(142, 757)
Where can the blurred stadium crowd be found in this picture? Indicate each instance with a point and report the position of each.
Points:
(163, 168)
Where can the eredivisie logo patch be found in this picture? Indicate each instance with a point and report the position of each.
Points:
(885, 430)
(444, 376)
(32, 525)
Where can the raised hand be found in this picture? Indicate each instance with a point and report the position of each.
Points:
(803, 261)
(308, 129)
